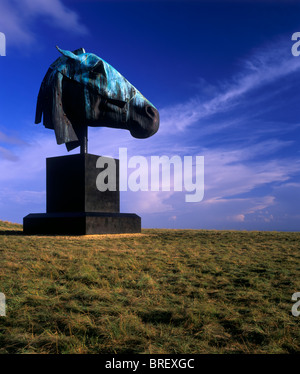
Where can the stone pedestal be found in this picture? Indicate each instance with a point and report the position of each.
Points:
(75, 206)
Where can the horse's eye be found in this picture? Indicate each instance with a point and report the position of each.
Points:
(118, 103)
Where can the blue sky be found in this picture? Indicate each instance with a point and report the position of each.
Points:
(221, 74)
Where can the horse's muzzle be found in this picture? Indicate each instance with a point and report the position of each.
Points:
(147, 125)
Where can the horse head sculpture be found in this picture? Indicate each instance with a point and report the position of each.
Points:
(80, 89)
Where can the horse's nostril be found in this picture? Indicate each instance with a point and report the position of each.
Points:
(150, 111)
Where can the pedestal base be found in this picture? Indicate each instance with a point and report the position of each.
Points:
(81, 223)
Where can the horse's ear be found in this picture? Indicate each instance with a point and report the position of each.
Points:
(68, 54)
(79, 51)
(87, 60)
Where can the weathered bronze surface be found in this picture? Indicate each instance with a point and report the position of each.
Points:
(80, 89)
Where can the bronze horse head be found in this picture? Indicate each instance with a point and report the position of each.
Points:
(80, 89)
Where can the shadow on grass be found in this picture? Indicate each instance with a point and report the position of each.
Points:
(11, 232)
(21, 233)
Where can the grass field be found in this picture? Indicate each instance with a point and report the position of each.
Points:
(162, 291)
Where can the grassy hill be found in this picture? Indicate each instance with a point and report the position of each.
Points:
(162, 291)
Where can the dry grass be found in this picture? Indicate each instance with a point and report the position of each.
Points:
(165, 291)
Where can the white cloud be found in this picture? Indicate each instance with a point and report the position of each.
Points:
(147, 202)
(22, 197)
(29, 159)
(57, 13)
(6, 154)
(233, 172)
(12, 24)
(17, 19)
(238, 218)
(10, 139)
(263, 68)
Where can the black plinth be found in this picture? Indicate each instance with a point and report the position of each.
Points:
(75, 206)
(71, 185)
(81, 223)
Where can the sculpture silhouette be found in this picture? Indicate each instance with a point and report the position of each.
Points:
(80, 89)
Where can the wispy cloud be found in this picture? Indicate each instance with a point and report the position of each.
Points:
(17, 19)
(10, 139)
(6, 154)
(147, 202)
(233, 172)
(262, 68)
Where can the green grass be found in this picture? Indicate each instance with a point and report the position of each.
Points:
(164, 291)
